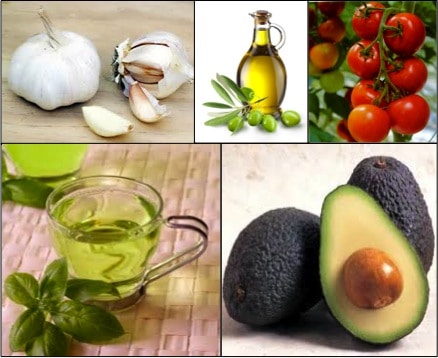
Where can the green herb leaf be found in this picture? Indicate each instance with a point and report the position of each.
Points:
(222, 119)
(87, 323)
(54, 281)
(222, 92)
(28, 326)
(83, 290)
(22, 288)
(216, 105)
(26, 191)
(231, 85)
(337, 104)
(52, 343)
(249, 93)
(5, 174)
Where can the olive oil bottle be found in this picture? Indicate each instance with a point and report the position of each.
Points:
(262, 69)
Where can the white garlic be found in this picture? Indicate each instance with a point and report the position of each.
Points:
(157, 61)
(54, 69)
(106, 123)
(145, 106)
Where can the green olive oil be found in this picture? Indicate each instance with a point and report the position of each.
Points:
(262, 69)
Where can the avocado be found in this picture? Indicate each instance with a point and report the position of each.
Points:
(394, 187)
(272, 271)
(372, 279)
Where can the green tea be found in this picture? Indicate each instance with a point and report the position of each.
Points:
(110, 236)
(46, 160)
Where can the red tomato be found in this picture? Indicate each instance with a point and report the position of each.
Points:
(364, 64)
(412, 75)
(409, 114)
(342, 131)
(324, 55)
(332, 30)
(408, 38)
(368, 123)
(331, 8)
(364, 93)
(366, 22)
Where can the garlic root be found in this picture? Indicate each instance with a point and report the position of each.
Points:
(106, 123)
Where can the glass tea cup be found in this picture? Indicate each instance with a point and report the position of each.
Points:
(49, 163)
(108, 228)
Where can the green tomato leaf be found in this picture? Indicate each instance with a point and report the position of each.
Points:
(232, 86)
(52, 343)
(54, 281)
(337, 104)
(222, 92)
(26, 191)
(222, 119)
(216, 105)
(22, 288)
(313, 103)
(87, 323)
(28, 326)
(83, 290)
(318, 135)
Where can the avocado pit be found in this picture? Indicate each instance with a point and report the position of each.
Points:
(371, 279)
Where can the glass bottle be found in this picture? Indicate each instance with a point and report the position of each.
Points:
(262, 69)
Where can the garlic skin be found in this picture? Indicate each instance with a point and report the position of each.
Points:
(145, 106)
(106, 123)
(158, 61)
(55, 69)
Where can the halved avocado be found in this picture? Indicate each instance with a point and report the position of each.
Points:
(351, 220)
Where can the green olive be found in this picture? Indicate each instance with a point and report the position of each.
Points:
(254, 117)
(269, 123)
(235, 124)
(290, 118)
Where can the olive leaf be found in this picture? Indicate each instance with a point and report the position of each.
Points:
(222, 119)
(52, 342)
(231, 85)
(26, 191)
(222, 92)
(22, 288)
(28, 326)
(54, 281)
(216, 105)
(86, 323)
(83, 290)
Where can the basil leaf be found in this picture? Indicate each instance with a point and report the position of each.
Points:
(52, 342)
(26, 191)
(216, 105)
(231, 85)
(27, 326)
(22, 288)
(86, 323)
(222, 119)
(83, 290)
(222, 92)
(54, 281)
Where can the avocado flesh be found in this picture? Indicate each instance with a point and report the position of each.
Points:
(394, 187)
(352, 220)
(272, 270)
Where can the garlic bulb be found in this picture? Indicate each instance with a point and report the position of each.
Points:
(145, 106)
(106, 123)
(158, 61)
(54, 69)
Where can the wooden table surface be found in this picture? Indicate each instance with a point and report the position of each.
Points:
(106, 24)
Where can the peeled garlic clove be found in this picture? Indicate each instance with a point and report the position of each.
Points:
(106, 123)
(145, 106)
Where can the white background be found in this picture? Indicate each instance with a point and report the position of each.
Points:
(258, 178)
(224, 32)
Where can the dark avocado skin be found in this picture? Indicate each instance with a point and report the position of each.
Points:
(272, 272)
(394, 187)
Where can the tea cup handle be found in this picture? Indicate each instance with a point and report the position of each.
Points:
(282, 36)
(184, 222)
